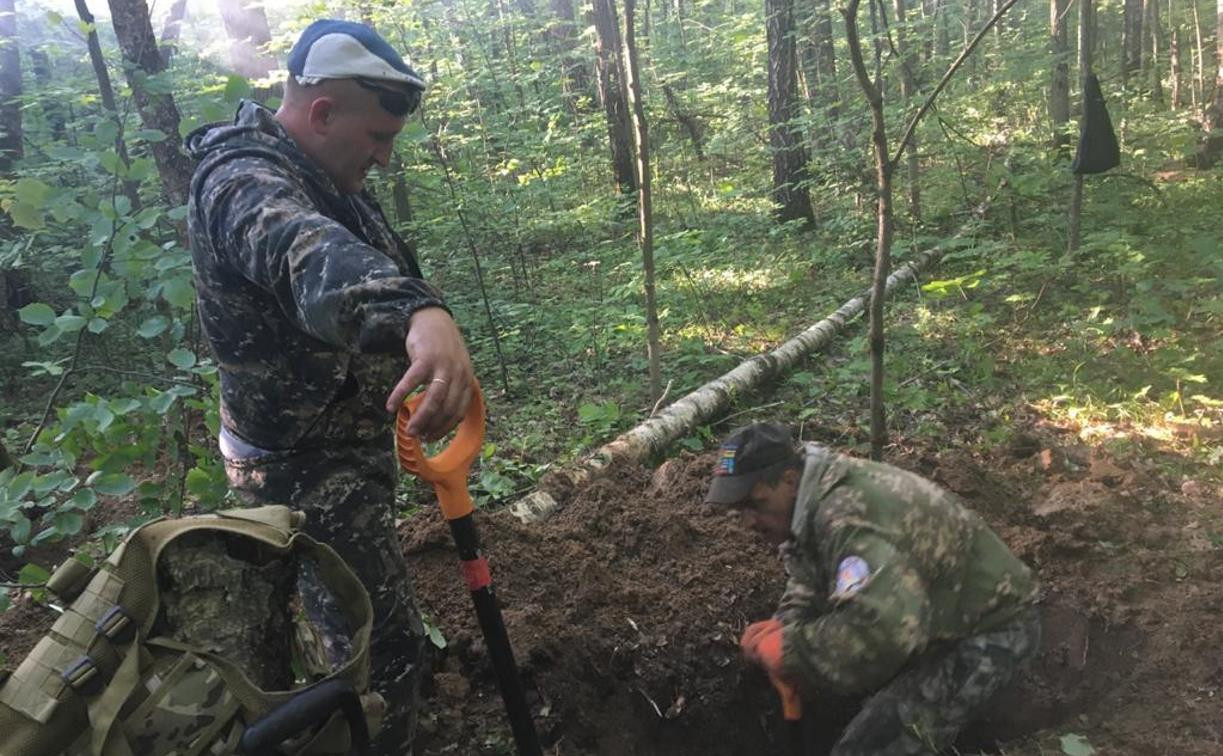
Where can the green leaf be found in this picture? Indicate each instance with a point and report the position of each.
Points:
(38, 314)
(70, 323)
(1076, 745)
(48, 337)
(151, 135)
(112, 484)
(198, 481)
(20, 485)
(5, 603)
(82, 281)
(106, 131)
(32, 574)
(162, 402)
(435, 636)
(84, 499)
(236, 88)
(33, 192)
(181, 358)
(20, 531)
(67, 522)
(123, 406)
(97, 325)
(27, 216)
(154, 326)
(178, 291)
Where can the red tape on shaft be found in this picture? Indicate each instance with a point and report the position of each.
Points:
(476, 573)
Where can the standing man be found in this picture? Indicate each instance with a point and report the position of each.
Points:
(313, 305)
(895, 591)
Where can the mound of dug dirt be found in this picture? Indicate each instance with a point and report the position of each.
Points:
(625, 608)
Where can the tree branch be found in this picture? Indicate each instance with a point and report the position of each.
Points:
(955, 66)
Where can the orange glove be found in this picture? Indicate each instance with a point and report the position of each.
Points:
(761, 643)
(791, 704)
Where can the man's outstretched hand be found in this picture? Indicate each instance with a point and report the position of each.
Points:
(438, 362)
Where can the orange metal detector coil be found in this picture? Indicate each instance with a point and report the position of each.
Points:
(447, 470)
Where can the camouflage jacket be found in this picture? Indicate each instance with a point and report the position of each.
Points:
(882, 565)
(305, 293)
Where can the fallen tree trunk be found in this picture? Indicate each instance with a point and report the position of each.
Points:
(707, 402)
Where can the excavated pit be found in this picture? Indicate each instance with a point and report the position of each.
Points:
(625, 608)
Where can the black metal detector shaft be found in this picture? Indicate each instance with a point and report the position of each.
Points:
(475, 570)
(448, 473)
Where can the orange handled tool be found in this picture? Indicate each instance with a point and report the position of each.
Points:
(448, 471)
(792, 712)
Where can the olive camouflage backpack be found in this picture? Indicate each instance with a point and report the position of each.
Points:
(104, 682)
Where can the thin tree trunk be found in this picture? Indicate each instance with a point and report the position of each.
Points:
(1199, 74)
(53, 109)
(107, 92)
(691, 122)
(908, 87)
(246, 25)
(1085, 64)
(942, 44)
(883, 218)
(158, 111)
(575, 79)
(11, 147)
(789, 156)
(1174, 57)
(171, 30)
(1212, 141)
(1157, 74)
(1059, 88)
(612, 95)
(820, 69)
(645, 218)
(1131, 39)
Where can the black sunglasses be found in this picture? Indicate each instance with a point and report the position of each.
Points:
(394, 101)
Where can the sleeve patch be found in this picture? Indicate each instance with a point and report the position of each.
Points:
(852, 574)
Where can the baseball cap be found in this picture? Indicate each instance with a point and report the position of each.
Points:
(333, 49)
(747, 455)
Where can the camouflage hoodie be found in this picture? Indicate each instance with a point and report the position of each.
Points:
(882, 565)
(305, 293)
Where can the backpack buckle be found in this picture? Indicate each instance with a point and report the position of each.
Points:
(116, 625)
(83, 676)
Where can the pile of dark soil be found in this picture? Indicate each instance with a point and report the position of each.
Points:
(625, 609)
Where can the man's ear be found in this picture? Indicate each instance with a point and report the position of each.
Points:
(321, 114)
(790, 476)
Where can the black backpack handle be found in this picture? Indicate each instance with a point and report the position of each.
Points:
(302, 712)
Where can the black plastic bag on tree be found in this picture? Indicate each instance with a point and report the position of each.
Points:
(1098, 150)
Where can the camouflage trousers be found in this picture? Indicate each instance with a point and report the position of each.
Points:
(926, 706)
(348, 495)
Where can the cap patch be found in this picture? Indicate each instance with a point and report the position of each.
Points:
(852, 574)
(726, 462)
